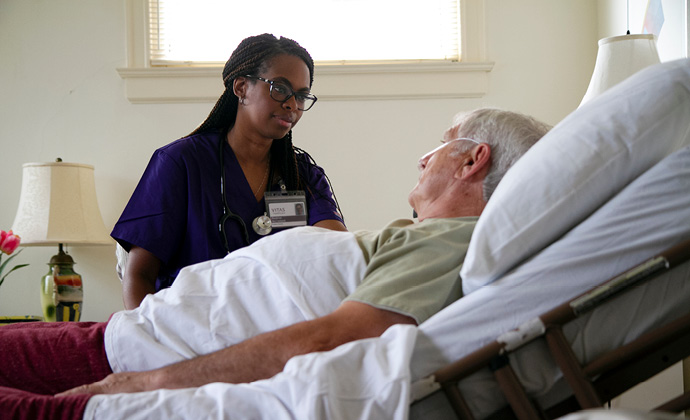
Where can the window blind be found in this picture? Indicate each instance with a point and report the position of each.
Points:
(200, 32)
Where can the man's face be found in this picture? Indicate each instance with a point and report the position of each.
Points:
(437, 169)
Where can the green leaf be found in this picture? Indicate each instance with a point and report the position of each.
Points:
(2, 266)
(16, 267)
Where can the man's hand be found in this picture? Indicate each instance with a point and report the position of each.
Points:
(259, 357)
(116, 383)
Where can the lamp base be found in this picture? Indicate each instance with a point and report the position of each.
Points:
(61, 290)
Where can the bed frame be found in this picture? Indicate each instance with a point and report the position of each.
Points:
(596, 382)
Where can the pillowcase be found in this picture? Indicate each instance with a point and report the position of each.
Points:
(581, 163)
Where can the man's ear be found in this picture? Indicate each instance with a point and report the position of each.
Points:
(478, 160)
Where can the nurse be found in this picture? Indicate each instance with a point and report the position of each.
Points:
(234, 179)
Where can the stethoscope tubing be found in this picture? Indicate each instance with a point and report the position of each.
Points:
(227, 212)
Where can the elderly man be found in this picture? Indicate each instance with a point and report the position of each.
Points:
(242, 318)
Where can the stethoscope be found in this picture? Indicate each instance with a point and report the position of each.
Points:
(261, 224)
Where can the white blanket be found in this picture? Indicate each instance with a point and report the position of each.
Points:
(226, 301)
(366, 379)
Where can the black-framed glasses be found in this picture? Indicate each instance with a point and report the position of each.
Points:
(281, 92)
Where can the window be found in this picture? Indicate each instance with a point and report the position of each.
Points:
(152, 78)
(185, 32)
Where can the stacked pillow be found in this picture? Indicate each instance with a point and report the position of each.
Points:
(579, 165)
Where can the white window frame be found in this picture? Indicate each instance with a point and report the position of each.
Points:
(467, 78)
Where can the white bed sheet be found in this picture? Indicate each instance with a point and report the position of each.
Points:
(619, 414)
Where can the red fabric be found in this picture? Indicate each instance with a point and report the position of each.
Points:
(40, 359)
(51, 357)
(21, 405)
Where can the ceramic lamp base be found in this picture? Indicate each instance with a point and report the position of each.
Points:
(62, 293)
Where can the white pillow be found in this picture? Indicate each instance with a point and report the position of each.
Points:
(582, 162)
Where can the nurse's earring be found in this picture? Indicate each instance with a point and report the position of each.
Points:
(239, 89)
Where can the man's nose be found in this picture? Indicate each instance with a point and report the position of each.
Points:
(421, 164)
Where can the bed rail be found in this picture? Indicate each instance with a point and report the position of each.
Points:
(596, 382)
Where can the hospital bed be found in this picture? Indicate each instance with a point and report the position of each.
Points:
(614, 192)
(607, 189)
(603, 377)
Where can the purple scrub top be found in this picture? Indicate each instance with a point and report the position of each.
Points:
(175, 209)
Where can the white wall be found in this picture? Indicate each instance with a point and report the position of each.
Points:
(60, 95)
(616, 16)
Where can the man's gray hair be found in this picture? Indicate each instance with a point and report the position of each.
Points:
(510, 135)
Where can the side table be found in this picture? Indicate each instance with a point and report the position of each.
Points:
(4, 320)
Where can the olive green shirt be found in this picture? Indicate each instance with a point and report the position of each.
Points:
(414, 268)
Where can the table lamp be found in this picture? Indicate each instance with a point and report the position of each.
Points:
(618, 58)
(58, 206)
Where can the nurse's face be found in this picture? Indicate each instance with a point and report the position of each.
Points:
(273, 119)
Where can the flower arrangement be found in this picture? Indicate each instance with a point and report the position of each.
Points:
(8, 244)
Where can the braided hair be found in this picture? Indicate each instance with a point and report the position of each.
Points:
(250, 58)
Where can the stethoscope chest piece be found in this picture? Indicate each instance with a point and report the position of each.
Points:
(262, 225)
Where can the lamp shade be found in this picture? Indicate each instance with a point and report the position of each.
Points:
(58, 205)
(618, 58)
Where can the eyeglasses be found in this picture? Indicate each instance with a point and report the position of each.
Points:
(281, 92)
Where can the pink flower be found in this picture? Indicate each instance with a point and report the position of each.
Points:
(8, 242)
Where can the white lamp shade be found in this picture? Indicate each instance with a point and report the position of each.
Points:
(58, 205)
(620, 57)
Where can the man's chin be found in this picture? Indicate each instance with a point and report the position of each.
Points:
(410, 201)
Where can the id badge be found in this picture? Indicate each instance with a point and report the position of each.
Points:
(287, 209)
